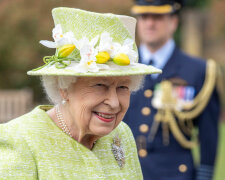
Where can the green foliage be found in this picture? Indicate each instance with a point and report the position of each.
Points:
(20, 50)
(177, 36)
(197, 3)
(220, 163)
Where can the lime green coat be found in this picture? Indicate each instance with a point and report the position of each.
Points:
(33, 147)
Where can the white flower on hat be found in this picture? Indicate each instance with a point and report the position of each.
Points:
(88, 54)
(104, 48)
(90, 57)
(126, 48)
(114, 49)
(59, 38)
(105, 43)
(85, 42)
(87, 66)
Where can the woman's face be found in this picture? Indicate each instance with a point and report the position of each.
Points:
(96, 105)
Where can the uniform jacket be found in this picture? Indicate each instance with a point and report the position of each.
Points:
(173, 162)
(33, 147)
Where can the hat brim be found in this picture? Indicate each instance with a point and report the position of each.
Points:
(163, 9)
(114, 70)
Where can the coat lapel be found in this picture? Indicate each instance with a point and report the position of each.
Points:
(171, 67)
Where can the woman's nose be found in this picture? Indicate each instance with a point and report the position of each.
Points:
(112, 98)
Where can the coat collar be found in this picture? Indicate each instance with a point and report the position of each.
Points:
(170, 69)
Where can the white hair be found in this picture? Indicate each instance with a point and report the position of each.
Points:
(53, 84)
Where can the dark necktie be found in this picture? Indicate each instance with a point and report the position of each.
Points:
(151, 62)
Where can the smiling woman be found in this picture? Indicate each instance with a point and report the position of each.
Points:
(100, 101)
(89, 80)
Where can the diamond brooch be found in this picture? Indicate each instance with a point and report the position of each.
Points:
(118, 151)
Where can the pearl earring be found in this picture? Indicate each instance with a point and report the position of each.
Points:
(64, 101)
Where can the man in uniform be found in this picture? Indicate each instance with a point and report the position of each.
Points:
(163, 113)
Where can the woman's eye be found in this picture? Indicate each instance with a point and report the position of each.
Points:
(124, 87)
(99, 84)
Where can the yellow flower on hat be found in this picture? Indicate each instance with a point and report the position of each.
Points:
(121, 59)
(66, 50)
(102, 57)
(124, 54)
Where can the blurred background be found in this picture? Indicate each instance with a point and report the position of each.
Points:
(23, 23)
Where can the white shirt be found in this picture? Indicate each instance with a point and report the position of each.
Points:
(160, 57)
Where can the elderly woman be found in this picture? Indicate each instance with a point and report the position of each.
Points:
(89, 81)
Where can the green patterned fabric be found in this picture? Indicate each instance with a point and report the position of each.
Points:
(33, 147)
(90, 24)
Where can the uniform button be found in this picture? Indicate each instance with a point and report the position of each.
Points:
(142, 153)
(146, 111)
(183, 168)
(148, 93)
(143, 128)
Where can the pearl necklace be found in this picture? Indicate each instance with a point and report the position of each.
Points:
(61, 121)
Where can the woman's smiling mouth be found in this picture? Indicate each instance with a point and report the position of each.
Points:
(105, 117)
